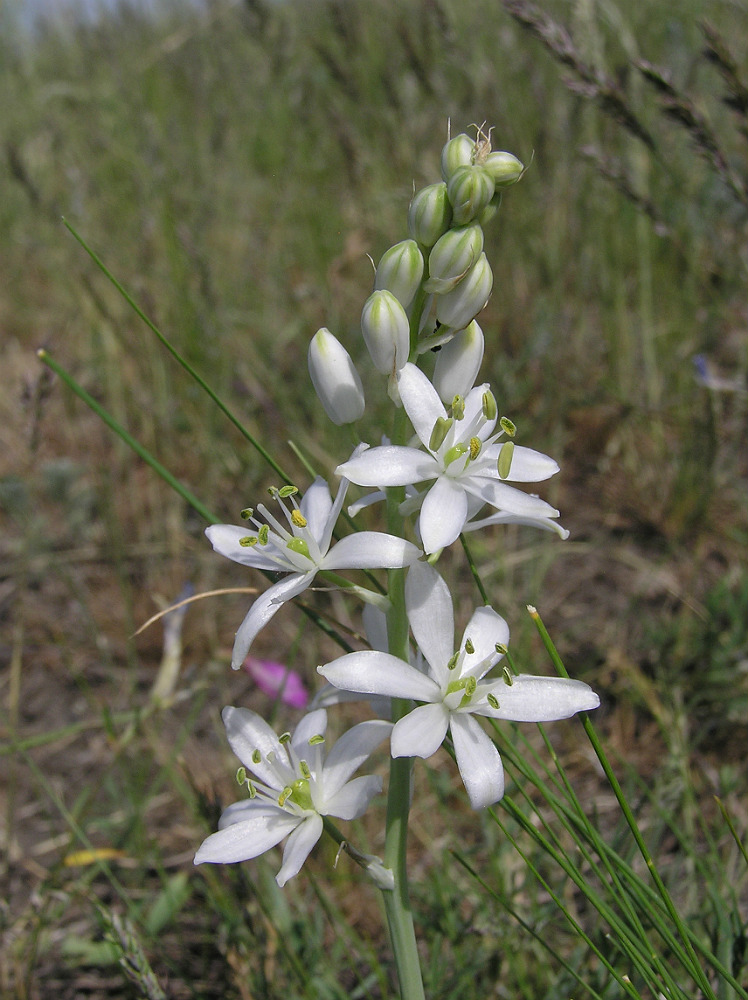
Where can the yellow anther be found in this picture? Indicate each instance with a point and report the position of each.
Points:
(298, 518)
(475, 447)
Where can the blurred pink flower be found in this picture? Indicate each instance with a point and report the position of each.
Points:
(278, 681)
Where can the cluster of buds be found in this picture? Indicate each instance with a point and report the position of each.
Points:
(442, 268)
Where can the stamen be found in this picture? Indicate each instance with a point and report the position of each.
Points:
(501, 649)
(492, 700)
(439, 433)
(284, 738)
(315, 741)
(304, 768)
(241, 775)
(458, 407)
(288, 491)
(263, 534)
(256, 757)
(452, 661)
(508, 679)
(469, 647)
(508, 426)
(490, 409)
(504, 464)
(246, 513)
(475, 447)
(285, 794)
(248, 541)
(298, 518)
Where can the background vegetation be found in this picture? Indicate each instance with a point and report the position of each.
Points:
(233, 167)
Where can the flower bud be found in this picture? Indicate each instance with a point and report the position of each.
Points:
(452, 257)
(490, 210)
(469, 189)
(503, 168)
(429, 214)
(400, 271)
(458, 152)
(458, 307)
(386, 331)
(335, 378)
(458, 362)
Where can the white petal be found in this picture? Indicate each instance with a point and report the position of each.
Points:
(332, 520)
(354, 797)
(263, 610)
(372, 672)
(530, 466)
(540, 699)
(421, 401)
(443, 514)
(478, 760)
(431, 617)
(225, 539)
(507, 498)
(390, 465)
(246, 732)
(349, 753)
(546, 523)
(420, 732)
(298, 846)
(248, 839)
(485, 629)
(316, 505)
(370, 550)
(314, 723)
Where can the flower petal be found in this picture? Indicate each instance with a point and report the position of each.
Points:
(225, 540)
(485, 629)
(421, 401)
(443, 514)
(253, 836)
(349, 753)
(246, 732)
(354, 797)
(298, 847)
(507, 498)
(390, 465)
(478, 760)
(420, 733)
(313, 724)
(540, 699)
(316, 506)
(372, 672)
(264, 608)
(370, 550)
(429, 606)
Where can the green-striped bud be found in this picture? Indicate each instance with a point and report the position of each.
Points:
(460, 306)
(429, 214)
(452, 257)
(470, 189)
(458, 152)
(335, 379)
(458, 362)
(503, 168)
(400, 271)
(491, 210)
(386, 331)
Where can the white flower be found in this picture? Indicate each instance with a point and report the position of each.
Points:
(335, 379)
(462, 456)
(296, 785)
(301, 548)
(453, 690)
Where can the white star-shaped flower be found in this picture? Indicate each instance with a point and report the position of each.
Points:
(296, 783)
(462, 455)
(454, 690)
(301, 548)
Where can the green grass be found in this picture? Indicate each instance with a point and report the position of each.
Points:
(233, 170)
